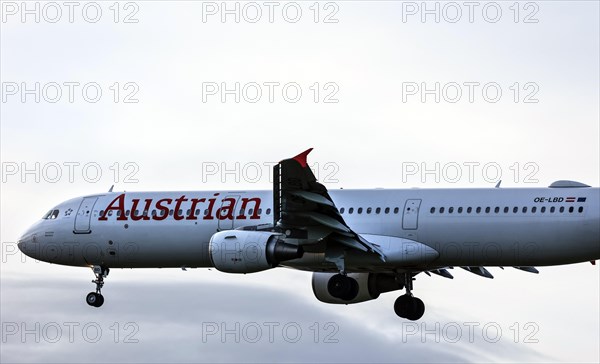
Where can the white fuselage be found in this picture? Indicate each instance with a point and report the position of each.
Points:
(467, 227)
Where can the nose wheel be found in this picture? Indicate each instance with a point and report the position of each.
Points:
(95, 299)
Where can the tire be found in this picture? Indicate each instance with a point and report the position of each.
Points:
(92, 299)
(99, 301)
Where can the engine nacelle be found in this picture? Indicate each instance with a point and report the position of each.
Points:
(370, 286)
(241, 251)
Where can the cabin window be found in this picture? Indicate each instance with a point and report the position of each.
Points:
(562, 209)
(387, 210)
(478, 210)
(450, 210)
(396, 210)
(552, 209)
(497, 209)
(268, 211)
(533, 209)
(369, 210)
(171, 212)
(260, 211)
(487, 210)
(460, 210)
(432, 210)
(469, 209)
(359, 211)
(571, 209)
(378, 210)
(342, 210)
(441, 210)
(580, 209)
(524, 209)
(126, 213)
(543, 209)
(351, 210)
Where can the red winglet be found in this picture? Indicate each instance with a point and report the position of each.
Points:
(301, 158)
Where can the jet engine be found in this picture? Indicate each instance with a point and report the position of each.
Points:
(353, 287)
(240, 251)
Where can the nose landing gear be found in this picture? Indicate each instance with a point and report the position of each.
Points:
(95, 299)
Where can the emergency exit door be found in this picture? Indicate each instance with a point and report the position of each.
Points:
(84, 215)
(410, 218)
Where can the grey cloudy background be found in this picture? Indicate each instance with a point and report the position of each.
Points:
(543, 56)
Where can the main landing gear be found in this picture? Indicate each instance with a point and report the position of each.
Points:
(95, 299)
(407, 306)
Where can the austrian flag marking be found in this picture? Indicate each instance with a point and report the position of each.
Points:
(164, 207)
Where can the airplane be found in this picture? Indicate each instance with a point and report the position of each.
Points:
(358, 243)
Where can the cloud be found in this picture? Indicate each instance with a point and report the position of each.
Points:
(211, 322)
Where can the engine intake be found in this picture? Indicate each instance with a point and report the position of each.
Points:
(240, 251)
(353, 288)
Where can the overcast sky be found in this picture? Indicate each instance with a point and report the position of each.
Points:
(153, 95)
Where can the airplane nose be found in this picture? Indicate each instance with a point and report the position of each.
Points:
(26, 246)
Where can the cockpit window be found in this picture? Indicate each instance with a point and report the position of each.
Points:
(51, 215)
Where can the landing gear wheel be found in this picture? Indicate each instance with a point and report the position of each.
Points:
(409, 307)
(342, 287)
(94, 299)
(418, 309)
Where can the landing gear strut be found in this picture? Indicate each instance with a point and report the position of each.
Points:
(95, 299)
(407, 306)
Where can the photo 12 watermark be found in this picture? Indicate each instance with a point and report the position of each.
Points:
(470, 91)
(270, 92)
(271, 332)
(469, 172)
(470, 12)
(70, 92)
(469, 332)
(69, 332)
(261, 172)
(269, 12)
(70, 12)
(69, 172)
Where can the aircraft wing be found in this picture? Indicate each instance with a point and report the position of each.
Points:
(303, 208)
